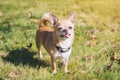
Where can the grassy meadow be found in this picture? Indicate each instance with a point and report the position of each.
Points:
(96, 48)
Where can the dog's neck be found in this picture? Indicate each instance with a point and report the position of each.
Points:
(66, 43)
(62, 50)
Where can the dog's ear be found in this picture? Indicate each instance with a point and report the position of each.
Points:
(54, 20)
(73, 18)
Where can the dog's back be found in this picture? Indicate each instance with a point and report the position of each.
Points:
(43, 31)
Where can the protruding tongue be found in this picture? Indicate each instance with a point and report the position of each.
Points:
(67, 35)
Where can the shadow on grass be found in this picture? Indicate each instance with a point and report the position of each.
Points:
(1, 79)
(24, 57)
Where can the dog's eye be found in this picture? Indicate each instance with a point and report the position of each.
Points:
(60, 29)
(69, 27)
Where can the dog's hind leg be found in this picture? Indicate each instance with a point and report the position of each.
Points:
(40, 53)
(53, 65)
(38, 45)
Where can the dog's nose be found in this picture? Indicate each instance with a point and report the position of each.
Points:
(65, 30)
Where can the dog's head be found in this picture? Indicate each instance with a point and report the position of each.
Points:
(64, 29)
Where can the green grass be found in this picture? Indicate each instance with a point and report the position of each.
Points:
(90, 58)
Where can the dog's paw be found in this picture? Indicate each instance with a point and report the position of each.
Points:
(54, 72)
(41, 57)
(68, 72)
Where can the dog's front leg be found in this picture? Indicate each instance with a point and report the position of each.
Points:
(53, 65)
(66, 65)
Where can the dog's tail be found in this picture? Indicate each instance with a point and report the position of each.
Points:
(48, 17)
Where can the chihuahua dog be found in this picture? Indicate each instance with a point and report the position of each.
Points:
(57, 40)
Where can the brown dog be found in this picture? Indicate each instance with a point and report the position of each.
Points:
(57, 41)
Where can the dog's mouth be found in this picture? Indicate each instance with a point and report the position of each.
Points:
(66, 35)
